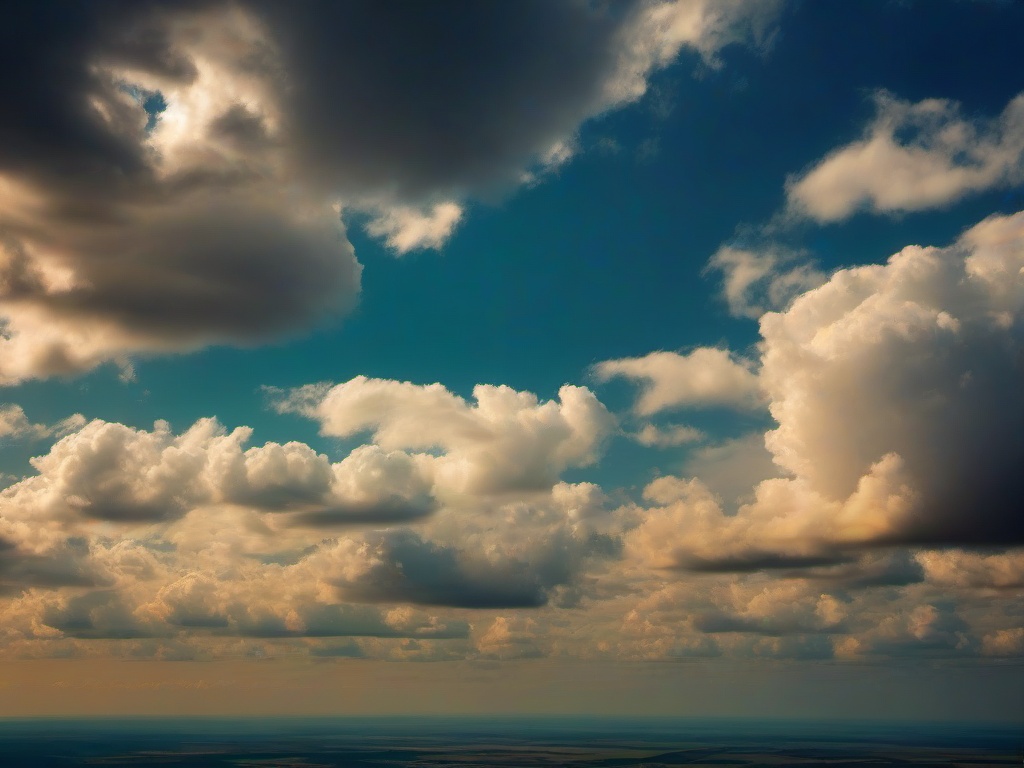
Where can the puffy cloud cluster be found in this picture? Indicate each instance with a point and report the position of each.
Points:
(505, 441)
(913, 157)
(896, 391)
(131, 534)
(111, 472)
(172, 174)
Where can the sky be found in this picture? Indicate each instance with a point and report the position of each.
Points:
(641, 357)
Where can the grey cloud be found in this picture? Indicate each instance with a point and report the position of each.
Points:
(349, 650)
(345, 621)
(451, 96)
(928, 630)
(217, 221)
(407, 569)
(64, 566)
(97, 615)
(208, 269)
(750, 561)
(802, 647)
(394, 509)
(720, 622)
(896, 569)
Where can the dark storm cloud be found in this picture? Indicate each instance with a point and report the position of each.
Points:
(217, 221)
(425, 99)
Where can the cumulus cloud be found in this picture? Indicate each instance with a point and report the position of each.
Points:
(509, 637)
(915, 363)
(929, 629)
(505, 441)
(15, 424)
(171, 174)
(974, 570)
(755, 282)
(896, 392)
(707, 376)
(128, 535)
(913, 156)
(111, 472)
(400, 567)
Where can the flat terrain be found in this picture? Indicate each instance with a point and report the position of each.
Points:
(483, 743)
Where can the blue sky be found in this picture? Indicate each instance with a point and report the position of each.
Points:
(818, 467)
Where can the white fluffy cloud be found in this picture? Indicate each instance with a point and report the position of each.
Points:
(913, 156)
(126, 534)
(406, 229)
(707, 376)
(505, 441)
(896, 390)
(131, 477)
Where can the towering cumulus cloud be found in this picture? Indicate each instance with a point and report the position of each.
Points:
(171, 174)
(896, 389)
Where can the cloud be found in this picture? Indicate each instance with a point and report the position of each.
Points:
(400, 567)
(929, 629)
(896, 393)
(509, 637)
(731, 469)
(405, 229)
(974, 570)
(755, 282)
(126, 535)
(707, 376)
(15, 424)
(459, 98)
(171, 174)
(918, 359)
(1004, 642)
(505, 441)
(111, 472)
(668, 436)
(913, 156)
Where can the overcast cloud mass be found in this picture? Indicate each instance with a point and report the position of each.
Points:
(405, 331)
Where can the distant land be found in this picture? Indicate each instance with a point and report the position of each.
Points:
(483, 742)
